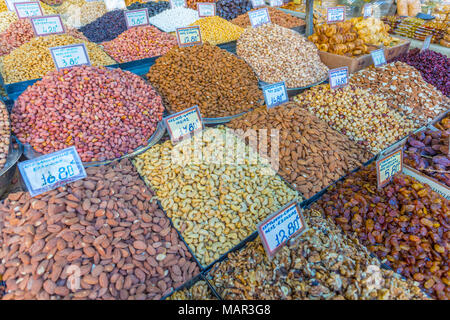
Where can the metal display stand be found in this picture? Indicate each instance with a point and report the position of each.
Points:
(309, 18)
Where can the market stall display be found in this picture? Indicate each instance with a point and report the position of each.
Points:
(311, 154)
(323, 263)
(280, 54)
(139, 43)
(78, 13)
(364, 117)
(276, 16)
(102, 227)
(33, 59)
(216, 30)
(230, 9)
(210, 189)
(5, 134)
(405, 224)
(171, 19)
(224, 88)
(105, 28)
(373, 31)
(104, 113)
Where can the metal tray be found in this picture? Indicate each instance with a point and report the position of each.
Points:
(7, 173)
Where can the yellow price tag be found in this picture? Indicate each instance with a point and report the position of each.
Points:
(389, 166)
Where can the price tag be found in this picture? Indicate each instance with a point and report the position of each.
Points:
(189, 36)
(275, 94)
(135, 18)
(275, 3)
(206, 9)
(44, 26)
(52, 170)
(367, 11)
(388, 166)
(426, 43)
(10, 4)
(335, 14)
(338, 77)
(115, 4)
(280, 227)
(70, 56)
(259, 17)
(258, 3)
(177, 4)
(378, 57)
(184, 123)
(28, 9)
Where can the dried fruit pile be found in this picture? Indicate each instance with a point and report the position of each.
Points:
(199, 291)
(105, 28)
(105, 228)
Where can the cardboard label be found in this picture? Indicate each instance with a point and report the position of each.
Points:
(52, 170)
(275, 94)
(338, 77)
(335, 14)
(280, 227)
(136, 18)
(184, 123)
(45, 26)
(378, 57)
(275, 3)
(389, 166)
(426, 43)
(28, 9)
(177, 4)
(259, 17)
(258, 3)
(367, 11)
(189, 36)
(70, 56)
(115, 4)
(435, 185)
(206, 9)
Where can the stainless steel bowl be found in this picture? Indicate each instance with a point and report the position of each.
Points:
(7, 173)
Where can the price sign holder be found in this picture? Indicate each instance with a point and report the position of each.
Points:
(426, 43)
(275, 94)
(41, 25)
(388, 166)
(182, 124)
(70, 56)
(52, 170)
(378, 57)
(284, 225)
(258, 3)
(177, 4)
(367, 11)
(335, 14)
(206, 9)
(136, 18)
(28, 9)
(259, 17)
(338, 77)
(189, 36)
(275, 3)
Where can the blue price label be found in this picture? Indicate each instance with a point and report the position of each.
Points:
(338, 77)
(70, 56)
(177, 4)
(275, 94)
(258, 3)
(367, 11)
(189, 36)
(378, 57)
(206, 9)
(259, 17)
(184, 123)
(52, 170)
(28, 9)
(280, 227)
(389, 166)
(47, 25)
(335, 14)
(135, 18)
(275, 3)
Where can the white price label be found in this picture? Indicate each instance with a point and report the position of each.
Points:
(283, 225)
(335, 14)
(135, 18)
(258, 3)
(275, 3)
(10, 4)
(70, 56)
(28, 9)
(338, 77)
(184, 123)
(44, 26)
(367, 11)
(259, 17)
(52, 170)
(206, 9)
(378, 57)
(189, 36)
(275, 94)
(389, 166)
(426, 43)
(177, 4)
(115, 4)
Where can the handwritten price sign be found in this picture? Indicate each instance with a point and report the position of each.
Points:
(135, 18)
(184, 123)
(335, 14)
(388, 166)
(259, 17)
(189, 36)
(426, 43)
(275, 94)
(28, 9)
(338, 77)
(52, 170)
(177, 4)
(378, 57)
(283, 225)
(44, 26)
(206, 9)
(367, 11)
(70, 56)
(275, 3)
(258, 3)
